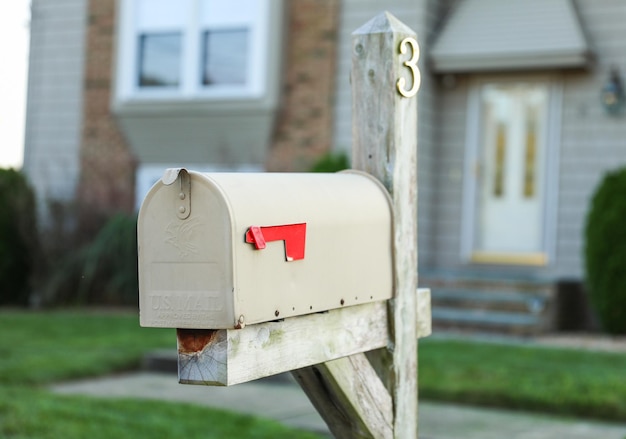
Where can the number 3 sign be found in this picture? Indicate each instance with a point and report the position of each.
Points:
(412, 65)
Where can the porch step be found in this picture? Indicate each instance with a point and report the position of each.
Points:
(482, 318)
(497, 300)
(507, 307)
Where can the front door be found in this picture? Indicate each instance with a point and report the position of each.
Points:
(510, 186)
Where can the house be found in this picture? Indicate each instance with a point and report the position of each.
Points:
(520, 116)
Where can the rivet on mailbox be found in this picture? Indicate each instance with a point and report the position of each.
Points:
(223, 257)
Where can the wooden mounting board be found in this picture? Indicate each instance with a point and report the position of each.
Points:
(230, 356)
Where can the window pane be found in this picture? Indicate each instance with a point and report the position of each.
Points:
(225, 57)
(159, 59)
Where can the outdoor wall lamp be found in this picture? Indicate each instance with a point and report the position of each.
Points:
(613, 93)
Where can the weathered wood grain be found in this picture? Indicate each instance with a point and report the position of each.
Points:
(343, 385)
(230, 356)
(384, 132)
(362, 406)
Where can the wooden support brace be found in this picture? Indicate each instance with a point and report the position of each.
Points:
(361, 406)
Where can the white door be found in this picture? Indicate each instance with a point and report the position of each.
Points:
(509, 222)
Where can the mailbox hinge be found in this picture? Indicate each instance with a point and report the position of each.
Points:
(182, 202)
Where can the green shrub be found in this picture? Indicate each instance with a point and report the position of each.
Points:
(331, 162)
(103, 272)
(605, 251)
(18, 238)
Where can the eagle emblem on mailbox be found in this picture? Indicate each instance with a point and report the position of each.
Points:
(180, 235)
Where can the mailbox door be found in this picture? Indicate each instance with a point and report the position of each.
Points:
(185, 263)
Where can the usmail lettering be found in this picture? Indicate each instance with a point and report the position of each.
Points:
(202, 301)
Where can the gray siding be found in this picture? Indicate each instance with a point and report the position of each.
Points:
(511, 35)
(54, 105)
(448, 179)
(419, 15)
(592, 142)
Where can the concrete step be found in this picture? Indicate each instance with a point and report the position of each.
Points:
(503, 306)
(485, 318)
(490, 300)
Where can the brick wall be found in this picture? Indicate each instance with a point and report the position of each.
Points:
(304, 125)
(303, 130)
(107, 167)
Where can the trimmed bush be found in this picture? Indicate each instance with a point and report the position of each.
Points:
(18, 238)
(331, 162)
(103, 272)
(605, 252)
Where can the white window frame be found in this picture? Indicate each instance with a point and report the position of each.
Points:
(191, 87)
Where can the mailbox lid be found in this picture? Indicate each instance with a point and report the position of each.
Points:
(348, 242)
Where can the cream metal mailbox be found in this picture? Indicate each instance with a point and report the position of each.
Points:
(226, 250)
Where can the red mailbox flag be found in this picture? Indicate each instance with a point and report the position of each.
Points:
(294, 236)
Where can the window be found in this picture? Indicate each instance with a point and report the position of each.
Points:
(193, 49)
(159, 60)
(198, 81)
(225, 59)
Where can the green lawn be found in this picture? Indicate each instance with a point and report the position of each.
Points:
(37, 348)
(32, 413)
(40, 348)
(560, 381)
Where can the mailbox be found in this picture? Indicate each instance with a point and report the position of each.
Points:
(223, 250)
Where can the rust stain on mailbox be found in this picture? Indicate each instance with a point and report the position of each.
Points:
(191, 341)
(227, 250)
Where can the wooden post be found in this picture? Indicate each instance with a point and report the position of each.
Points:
(325, 351)
(385, 80)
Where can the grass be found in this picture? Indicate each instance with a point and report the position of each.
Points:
(559, 381)
(34, 413)
(39, 348)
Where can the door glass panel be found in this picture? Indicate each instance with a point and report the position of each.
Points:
(498, 186)
(531, 152)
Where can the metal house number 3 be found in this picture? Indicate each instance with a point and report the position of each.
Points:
(412, 65)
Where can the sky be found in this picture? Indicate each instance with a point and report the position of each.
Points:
(14, 37)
